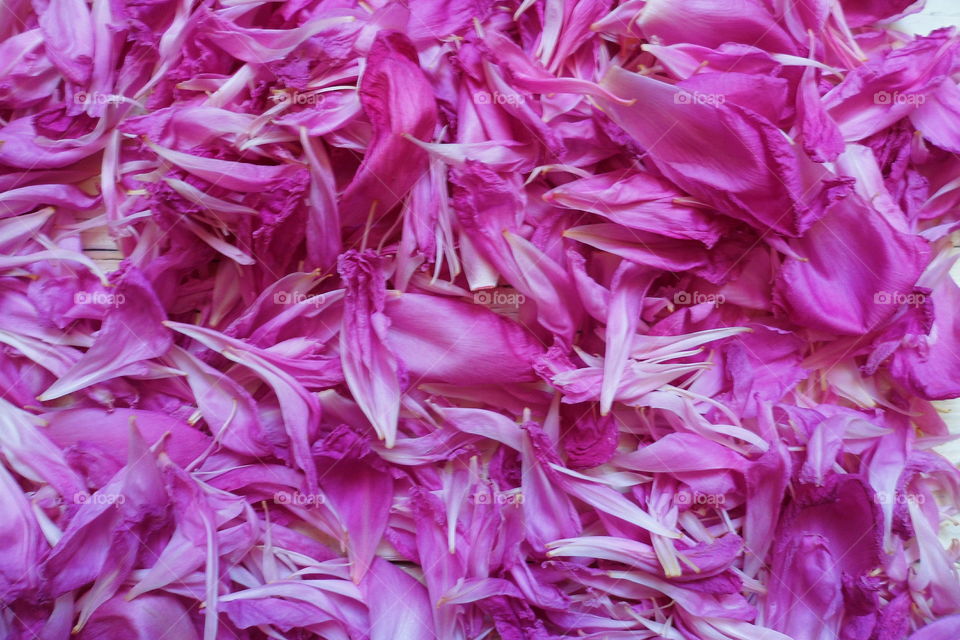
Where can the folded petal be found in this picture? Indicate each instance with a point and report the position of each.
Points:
(144, 618)
(130, 336)
(711, 24)
(853, 245)
(397, 99)
(472, 346)
(638, 201)
(68, 38)
(760, 179)
(805, 599)
(369, 365)
(943, 629)
(399, 605)
(893, 85)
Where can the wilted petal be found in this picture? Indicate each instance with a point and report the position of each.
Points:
(760, 178)
(876, 264)
(145, 618)
(130, 336)
(804, 600)
(398, 100)
(399, 606)
(471, 345)
(369, 365)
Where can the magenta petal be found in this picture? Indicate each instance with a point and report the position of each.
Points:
(748, 22)
(944, 629)
(934, 117)
(22, 544)
(68, 33)
(876, 264)
(804, 599)
(821, 136)
(299, 409)
(130, 336)
(348, 477)
(639, 201)
(100, 439)
(146, 617)
(489, 348)
(549, 514)
(399, 606)
(766, 484)
(891, 86)
(667, 455)
(760, 179)
(369, 365)
(398, 100)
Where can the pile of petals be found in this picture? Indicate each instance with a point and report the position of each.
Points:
(462, 320)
